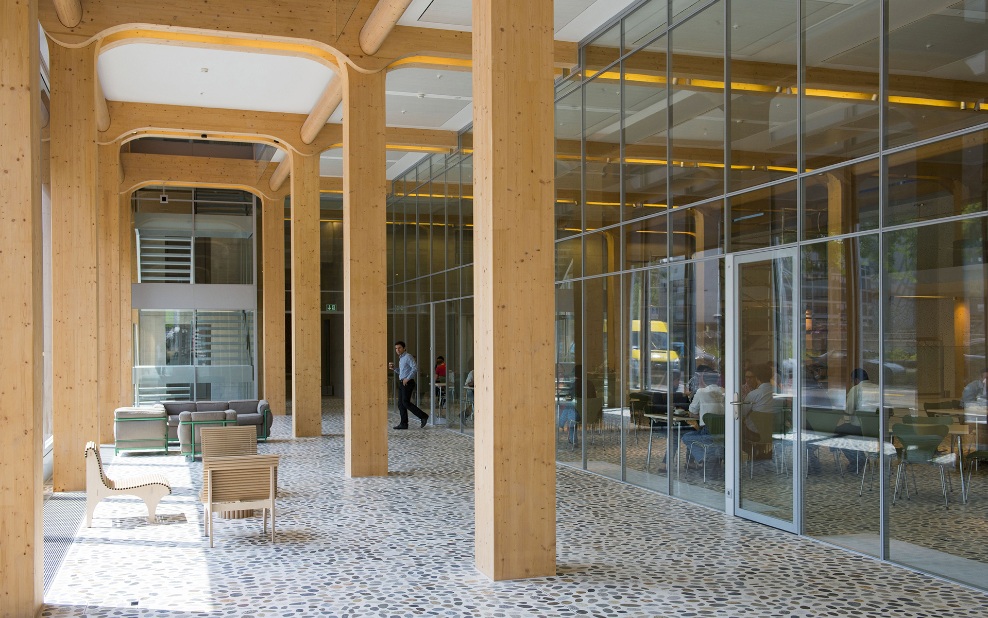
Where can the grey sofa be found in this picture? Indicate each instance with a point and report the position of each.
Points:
(185, 418)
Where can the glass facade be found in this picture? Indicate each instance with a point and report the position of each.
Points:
(194, 295)
(771, 232)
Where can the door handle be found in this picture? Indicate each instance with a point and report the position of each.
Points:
(737, 403)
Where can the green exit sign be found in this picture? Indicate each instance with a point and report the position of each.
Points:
(331, 307)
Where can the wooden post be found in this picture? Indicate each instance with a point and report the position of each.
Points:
(21, 485)
(306, 318)
(273, 303)
(127, 273)
(75, 352)
(514, 443)
(365, 344)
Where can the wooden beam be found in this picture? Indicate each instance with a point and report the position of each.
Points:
(330, 99)
(281, 173)
(381, 22)
(365, 343)
(514, 439)
(144, 169)
(21, 364)
(69, 12)
(74, 262)
(102, 111)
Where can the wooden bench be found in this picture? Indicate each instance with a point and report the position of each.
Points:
(148, 487)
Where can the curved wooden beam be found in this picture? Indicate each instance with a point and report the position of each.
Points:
(141, 170)
(381, 22)
(330, 99)
(281, 173)
(102, 111)
(69, 12)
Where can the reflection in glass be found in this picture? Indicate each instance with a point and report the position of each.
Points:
(763, 110)
(939, 180)
(841, 200)
(840, 375)
(934, 348)
(840, 103)
(937, 68)
(602, 252)
(602, 51)
(698, 339)
(645, 242)
(645, 161)
(599, 386)
(698, 231)
(602, 166)
(569, 166)
(645, 23)
(764, 217)
(697, 91)
(569, 335)
(766, 349)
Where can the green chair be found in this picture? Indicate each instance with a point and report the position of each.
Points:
(716, 425)
(973, 459)
(767, 424)
(919, 446)
(824, 421)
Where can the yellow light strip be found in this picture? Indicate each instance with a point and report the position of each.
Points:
(257, 44)
(406, 148)
(433, 60)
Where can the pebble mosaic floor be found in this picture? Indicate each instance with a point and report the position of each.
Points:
(403, 546)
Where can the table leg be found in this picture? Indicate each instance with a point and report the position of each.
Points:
(648, 453)
(960, 466)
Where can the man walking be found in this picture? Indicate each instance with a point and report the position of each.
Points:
(406, 373)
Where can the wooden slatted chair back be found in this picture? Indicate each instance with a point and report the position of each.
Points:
(226, 441)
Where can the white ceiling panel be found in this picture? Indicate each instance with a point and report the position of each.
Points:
(200, 77)
(331, 161)
(448, 83)
(573, 19)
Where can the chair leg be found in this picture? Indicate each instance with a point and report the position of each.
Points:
(209, 520)
(943, 486)
(898, 476)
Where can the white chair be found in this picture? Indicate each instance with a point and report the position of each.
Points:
(148, 487)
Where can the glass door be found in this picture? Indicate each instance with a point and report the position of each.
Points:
(763, 329)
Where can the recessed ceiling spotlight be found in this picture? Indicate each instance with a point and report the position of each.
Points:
(204, 69)
(439, 75)
(421, 95)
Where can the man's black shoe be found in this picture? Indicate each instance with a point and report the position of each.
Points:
(401, 427)
(424, 419)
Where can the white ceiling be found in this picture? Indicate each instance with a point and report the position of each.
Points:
(228, 79)
(215, 78)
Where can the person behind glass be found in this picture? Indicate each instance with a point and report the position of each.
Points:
(862, 397)
(976, 393)
(708, 399)
(760, 397)
(660, 405)
(406, 374)
(440, 370)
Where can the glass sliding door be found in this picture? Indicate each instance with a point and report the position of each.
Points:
(763, 337)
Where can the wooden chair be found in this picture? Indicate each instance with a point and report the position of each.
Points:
(231, 441)
(150, 488)
(239, 482)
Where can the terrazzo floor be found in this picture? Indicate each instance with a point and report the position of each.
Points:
(403, 546)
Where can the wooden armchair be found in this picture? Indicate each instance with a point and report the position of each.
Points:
(148, 487)
(239, 482)
(247, 481)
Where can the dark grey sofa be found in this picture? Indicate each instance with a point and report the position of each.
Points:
(186, 417)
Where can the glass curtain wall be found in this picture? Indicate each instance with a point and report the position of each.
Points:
(430, 221)
(754, 125)
(852, 135)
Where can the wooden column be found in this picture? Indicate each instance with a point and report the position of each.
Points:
(109, 307)
(273, 303)
(74, 262)
(306, 318)
(126, 271)
(514, 444)
(21, 485)
(365, 335)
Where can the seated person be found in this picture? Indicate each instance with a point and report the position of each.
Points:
(760, 397)
(976, 392)
(709, 399)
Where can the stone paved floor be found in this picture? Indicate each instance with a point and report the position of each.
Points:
(403, 546)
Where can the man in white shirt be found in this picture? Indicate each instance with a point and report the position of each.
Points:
(407, 368)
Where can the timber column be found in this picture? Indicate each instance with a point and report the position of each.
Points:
(75, 353)
(273, 302)
(306, 317)
(365, 336)
(21, 563)
(111, 282)
(514, 444)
